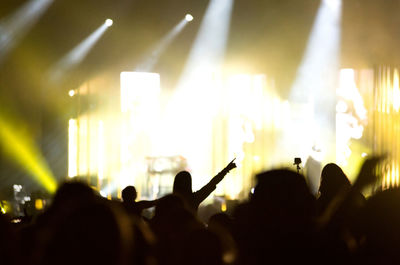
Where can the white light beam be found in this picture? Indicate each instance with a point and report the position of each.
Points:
(76, 55)
(151, 59)
(14, 27)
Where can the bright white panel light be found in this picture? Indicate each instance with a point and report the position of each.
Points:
(138, 88)
(109, 22)
(189, 17)
(72, 148)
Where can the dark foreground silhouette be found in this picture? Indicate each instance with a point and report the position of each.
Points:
(281, 223)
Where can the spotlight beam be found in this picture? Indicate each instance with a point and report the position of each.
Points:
(195, 93)
(78, 54)
(153, 56)
(209, 47)
(313, 95)
(15, 26)
(321, 56)
(20, 149)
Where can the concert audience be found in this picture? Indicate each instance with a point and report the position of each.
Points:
(281, 223)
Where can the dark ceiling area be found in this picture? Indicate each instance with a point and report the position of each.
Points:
(266, 36)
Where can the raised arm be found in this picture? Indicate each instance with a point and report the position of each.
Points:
(220, 176)
(204, 192)
(146, 204)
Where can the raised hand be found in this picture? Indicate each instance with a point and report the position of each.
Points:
(225, 171)
(230, 166)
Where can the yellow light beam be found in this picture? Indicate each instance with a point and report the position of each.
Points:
(20, 148)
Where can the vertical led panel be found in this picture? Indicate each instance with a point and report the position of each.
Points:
(72, 148)
(140, 110)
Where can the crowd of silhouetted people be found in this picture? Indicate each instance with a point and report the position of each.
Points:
(281, 222)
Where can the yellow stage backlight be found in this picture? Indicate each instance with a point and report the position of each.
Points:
(20, 148)
(396, 90)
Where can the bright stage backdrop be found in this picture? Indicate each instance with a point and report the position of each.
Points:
(150, 133)
(131, 131)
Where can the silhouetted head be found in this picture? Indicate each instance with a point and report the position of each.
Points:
(283, 191)
(333, 180)
(220, 220)
(96, 228)
(129, 194)
(183, 183)
(73, 193)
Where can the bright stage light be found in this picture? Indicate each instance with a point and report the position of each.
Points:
(71, 93)
(195, 89)
(209, 46)
(208, 50)
(109, 22)
(396, 91)
(188, 17)
(140, 94)
(138, 89)
(349, 121)
(205, 129)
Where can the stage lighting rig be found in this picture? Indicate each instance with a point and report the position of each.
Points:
(188, 17)
(109, 22)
